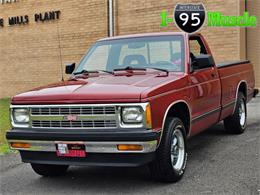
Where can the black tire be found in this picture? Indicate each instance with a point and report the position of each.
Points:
(162, 168)
(49, 170)
(234, 124)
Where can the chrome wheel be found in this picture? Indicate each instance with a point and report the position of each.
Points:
(177, 149)
(170, 162)
(242, 113)
(236, 123)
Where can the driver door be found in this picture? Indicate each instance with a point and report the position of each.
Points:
(206, 89)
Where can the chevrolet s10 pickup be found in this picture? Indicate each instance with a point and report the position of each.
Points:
(132, 100)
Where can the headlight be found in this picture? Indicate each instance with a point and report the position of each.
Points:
(20, 115)
(132, 115)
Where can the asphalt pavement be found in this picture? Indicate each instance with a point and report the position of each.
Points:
(218, 163)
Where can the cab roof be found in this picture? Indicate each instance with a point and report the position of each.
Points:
(143, 35)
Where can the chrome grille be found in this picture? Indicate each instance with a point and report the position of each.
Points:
(91, 110)
(75, 124)
(74, 116)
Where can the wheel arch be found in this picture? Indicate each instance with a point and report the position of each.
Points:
(180, 109)
(241, 87)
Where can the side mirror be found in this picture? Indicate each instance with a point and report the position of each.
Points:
(70, 68)
(203, 61)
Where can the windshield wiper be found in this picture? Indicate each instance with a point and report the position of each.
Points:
(92, 71)
(160, 69)
(106, 71)
(129, 68)
(143, 69)
(85, 72)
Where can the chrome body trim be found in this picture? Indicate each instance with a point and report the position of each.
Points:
(91, 147)
(228, 104)
(166, 113)
(143, 105)
(238, 85)
(205, 114)
(115, 117)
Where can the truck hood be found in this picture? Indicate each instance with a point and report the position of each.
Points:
(105, 88)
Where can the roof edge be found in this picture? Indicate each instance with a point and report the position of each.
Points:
(142, 35)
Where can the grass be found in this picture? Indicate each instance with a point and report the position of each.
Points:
(4, 124)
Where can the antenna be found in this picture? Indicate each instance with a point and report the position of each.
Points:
(61, 62)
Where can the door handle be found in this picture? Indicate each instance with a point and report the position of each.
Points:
(213, 75)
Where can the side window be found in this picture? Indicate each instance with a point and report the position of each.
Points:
(197, 47)
(194, 47)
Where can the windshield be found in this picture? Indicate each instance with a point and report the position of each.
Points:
(164, 52)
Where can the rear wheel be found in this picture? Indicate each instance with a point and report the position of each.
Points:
(171, 157)
(49, 170)
(237, 122)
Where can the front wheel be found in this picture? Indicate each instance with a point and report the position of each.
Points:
(49, 170)
(171, 156)
(237, 122)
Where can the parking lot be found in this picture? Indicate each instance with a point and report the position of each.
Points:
(218, 163)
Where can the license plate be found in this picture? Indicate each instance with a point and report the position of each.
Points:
(70, 149)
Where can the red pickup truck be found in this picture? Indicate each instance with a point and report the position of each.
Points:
(132, 100)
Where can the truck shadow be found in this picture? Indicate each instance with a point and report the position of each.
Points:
(201, 149)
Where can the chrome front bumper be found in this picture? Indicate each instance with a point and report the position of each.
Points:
(91, 146)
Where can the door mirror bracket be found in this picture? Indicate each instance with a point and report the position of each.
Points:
(70, 68)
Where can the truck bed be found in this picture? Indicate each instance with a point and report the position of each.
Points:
(232, 63)
(230, 78)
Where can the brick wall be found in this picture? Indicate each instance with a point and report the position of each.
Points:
(30, 54)
(136, 16)
(253, 40)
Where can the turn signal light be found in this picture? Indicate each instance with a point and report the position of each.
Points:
(129, 147)
(148, 116)
(20, 145)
